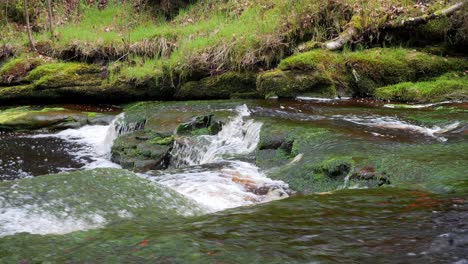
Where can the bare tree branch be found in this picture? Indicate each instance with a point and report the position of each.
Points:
(26, 15)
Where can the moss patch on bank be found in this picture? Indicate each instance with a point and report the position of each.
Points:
(450, 86)
(359, 73)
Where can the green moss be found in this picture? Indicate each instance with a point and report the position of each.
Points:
(336, 167)
(91, 114)
(53, 75)
(23, 118)
(16, 69)
(201, 131)
(293, 83)
(451, 86)
(218, 87)
(308, 60)
(359, 73)
(378, 67)
(161, 140)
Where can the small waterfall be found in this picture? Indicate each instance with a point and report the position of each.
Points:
(219, 180)
(237, 137)
(118, 127)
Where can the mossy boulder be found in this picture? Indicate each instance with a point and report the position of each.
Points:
(33, 118)
(142, 151)
(378, 67)
(451, 86)
(200, 125)
(360, 73)
(287, 84)
(304, 74)
(56, 75)
(16, 69)
(224, 86)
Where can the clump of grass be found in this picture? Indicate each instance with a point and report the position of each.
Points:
(136, 70)
(209, 37)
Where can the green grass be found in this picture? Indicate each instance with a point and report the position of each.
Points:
(209, 36)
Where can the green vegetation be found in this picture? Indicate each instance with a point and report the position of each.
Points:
(215, 49)
(450, 86)
(357, 73)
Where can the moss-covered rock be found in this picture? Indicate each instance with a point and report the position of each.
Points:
(359, 73)
(56, 75)
(375, 68)
(16, 69)
(315, 73)
(289, 84)
(142, 151)
(200, 125)
(451, 86)
(224, 86)
(30, 118)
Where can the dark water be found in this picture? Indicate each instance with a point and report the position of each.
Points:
(22, 155)
(33, 153)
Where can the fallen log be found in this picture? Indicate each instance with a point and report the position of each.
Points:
(353, 30)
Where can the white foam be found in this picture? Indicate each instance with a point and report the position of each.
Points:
(394, 123)
(232, 185)
(94, 141)
(419, 106)
(237, 137)
(227, 183)
(94, 145)
(18, 220)
(321, 99)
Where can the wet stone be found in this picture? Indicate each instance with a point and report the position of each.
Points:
(200, 125)
(142, 150)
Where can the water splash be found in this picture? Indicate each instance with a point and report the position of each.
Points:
(238, 137)
(224, 185)
(18, 220)
(419, 106)
(222, 182)
(118, 126)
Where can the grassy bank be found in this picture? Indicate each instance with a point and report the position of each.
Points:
(146, 47)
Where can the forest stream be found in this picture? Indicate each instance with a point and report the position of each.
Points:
(240, 181)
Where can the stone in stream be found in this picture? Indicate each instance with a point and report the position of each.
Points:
(49, 119)
(200, 125)
(369, 174)
(142, 151)
(147, 150)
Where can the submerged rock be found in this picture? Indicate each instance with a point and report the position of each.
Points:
(369, 175)
(80, 200)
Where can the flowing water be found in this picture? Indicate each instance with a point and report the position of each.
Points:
(218, 204)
